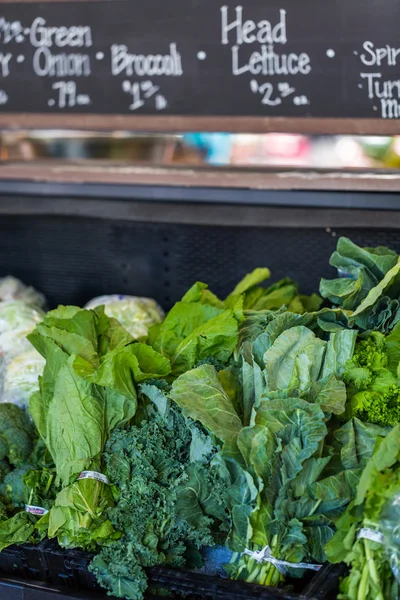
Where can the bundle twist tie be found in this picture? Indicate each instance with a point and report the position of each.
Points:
(265, 555)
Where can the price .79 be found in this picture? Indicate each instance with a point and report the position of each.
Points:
(67, 95)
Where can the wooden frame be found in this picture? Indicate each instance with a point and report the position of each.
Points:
(170, 124)
(223, 178)
(313, 126)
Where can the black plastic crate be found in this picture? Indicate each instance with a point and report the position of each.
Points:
(68, 570)
(25, 561)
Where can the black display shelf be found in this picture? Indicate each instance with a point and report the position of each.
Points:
(47, 572)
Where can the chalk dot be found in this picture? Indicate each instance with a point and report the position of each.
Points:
(20, 39)
(360, 86)
(51, 102)
(126, 86)
(201, 55)
(355, 53)
(27, 31)
(100, 55)
(20, 58)
(254, 86)
(375, 107)
(330, 53)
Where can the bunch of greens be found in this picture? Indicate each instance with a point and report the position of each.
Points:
(273, 429)
(369, 286)
(86, 391)
(372, 379)
(203, 327)
(357, 540)
(24, 477)
(168, 502)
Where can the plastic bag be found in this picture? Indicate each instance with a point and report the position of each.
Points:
(17, 320)
(13, 289)
(136, 315)
(390, 530)
(20, 377)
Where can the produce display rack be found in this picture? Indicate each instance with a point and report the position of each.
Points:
(76, 231)
(75, 238)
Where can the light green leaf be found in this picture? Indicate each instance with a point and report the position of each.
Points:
(251, 280)
(294, 359)
(340, 349)
(201, 397)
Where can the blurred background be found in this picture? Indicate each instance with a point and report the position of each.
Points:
(281, 150)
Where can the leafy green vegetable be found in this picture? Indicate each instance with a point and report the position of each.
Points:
(30, 484)
(165, 503)
(370, 576)
(193, 331)
(87, 390)
(372, 380)
(291, 386)
(370, 289)
(202, 397)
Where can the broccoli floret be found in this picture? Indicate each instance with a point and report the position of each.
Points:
(4, 469)
(17, 434)
(13, 489)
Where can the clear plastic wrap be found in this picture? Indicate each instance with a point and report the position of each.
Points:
(13, 289)
(17, 320)
(136, 315)
(20, 364)
(390, 530)
(20, 377)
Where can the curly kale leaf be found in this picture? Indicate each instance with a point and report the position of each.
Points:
(149, 466)
(217, 364)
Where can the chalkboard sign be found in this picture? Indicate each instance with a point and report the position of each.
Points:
(183, 62)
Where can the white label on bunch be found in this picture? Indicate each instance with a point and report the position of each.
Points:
(370, 534)
(35, 510)
(94, 475)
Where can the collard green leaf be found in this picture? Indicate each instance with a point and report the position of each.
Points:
(241, 495)
(156, 396)
(330, 394)
(201, 397)
(195, 501)
(294, 359)
(298, 423)
(357, 442)
(339, 350)
(370, 289)
(376, 293)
